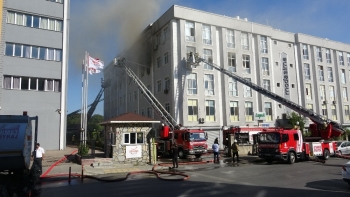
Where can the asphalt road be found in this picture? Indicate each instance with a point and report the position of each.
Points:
(253, 180)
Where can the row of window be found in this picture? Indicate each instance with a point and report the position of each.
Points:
(31, 83)
(165, 60)
(34, 21)
(321, 77)
(230, 37)
(322, 93)
(33, 52)
(166, 84)
(328, 55)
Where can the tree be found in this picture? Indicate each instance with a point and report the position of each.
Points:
(296, 120)
(94, 123)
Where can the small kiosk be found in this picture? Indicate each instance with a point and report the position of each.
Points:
(128, 139)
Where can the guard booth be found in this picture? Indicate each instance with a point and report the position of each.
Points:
(128, 139)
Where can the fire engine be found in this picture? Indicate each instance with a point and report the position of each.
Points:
(285, 143)
(189, 141)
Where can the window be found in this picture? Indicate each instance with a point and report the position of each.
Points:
(31, 83)
(209, 84)
(324, 110)
(345, 94)
(263, 44)
(159, 86)
(167, 83)
(234, 111)
(28, 20)
(265, 66)
(246, 63)
(231, 58)
(207, 53)
(322, 93)
(149, 112)
(192, 83)
(190, 50)
(135, 96)
(319, 54)
(275, 42)
(268, 111)
(158, 62)
(232, 87)
(247, 89)
(341, 59)
(133, 138)
(230, 38)
(348, 58)
(165, 33)
(142, 112)
(206, 34)
(192, 110)
(244, 41)
(307, 71)
(189, 31)
(34, 52)
(320, 73)
(166, 58)
(308, 91)
(167, 107)
(328, 56)
(266, 84)
(347, 112)
(342, 76)
(210, 110)
(331, 93)
(334, 112)
(330, 74)
(249, 111)
(309, 106)
(305, 52)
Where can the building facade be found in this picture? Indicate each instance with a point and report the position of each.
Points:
(310, 71)
(33, 65)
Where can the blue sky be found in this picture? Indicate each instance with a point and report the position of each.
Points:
(105, 27)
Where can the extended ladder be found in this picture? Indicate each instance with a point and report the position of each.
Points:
(151, 99)
(195, 60)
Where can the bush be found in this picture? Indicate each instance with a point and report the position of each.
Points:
(83, 150)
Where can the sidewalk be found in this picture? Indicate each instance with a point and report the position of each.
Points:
(57, 163)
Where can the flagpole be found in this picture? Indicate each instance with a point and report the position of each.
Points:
(86, 93)
(82, 103)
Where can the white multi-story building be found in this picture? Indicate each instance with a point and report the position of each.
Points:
(307, 70)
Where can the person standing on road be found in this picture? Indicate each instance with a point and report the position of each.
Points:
(235, 150)
(215, 148)
(38, 156)
(175, 151)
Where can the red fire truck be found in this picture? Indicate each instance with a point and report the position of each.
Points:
(189, 141)
(287, 144)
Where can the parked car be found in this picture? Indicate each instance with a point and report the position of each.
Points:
(343, 148)
(346, 172)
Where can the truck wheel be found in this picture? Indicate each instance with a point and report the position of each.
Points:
(291, 157)
(182, 154)
(326, 154)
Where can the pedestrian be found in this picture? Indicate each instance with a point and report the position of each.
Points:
(235, 150)
(175, 151)
(215, 148)
(38, 157)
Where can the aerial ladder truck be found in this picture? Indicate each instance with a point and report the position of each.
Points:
(189, 141)
(281, 143)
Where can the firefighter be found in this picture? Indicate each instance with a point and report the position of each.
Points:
(175, 151)
(235, 150)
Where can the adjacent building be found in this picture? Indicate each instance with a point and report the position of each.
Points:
(313, 72)
(33, 65)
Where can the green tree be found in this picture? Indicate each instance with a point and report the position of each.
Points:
(296, 120)
(73, 119)
(94, 123)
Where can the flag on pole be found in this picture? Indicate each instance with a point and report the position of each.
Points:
(95, 65)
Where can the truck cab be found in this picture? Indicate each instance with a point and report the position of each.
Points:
(280, 144)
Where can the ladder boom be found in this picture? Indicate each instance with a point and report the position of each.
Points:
(151, 99)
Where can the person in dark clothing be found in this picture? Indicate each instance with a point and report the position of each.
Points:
(38, 157)
(175, 151)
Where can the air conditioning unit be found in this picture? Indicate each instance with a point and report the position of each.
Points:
(334, 102)
(201, 120)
